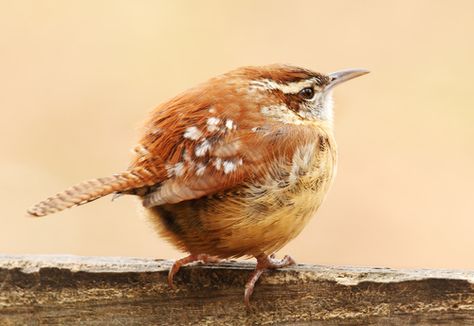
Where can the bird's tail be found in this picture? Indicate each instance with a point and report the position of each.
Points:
(90, 190)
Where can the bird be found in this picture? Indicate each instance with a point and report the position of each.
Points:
(232, 168)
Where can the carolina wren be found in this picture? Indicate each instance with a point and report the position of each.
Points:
(234, 167)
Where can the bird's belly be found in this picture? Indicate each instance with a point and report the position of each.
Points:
(252, 219)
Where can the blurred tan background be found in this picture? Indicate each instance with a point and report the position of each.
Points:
(79, 77)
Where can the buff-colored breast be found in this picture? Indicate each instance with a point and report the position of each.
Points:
(254, 218)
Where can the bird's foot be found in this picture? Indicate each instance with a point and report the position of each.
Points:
(186, 260)
(264, 262)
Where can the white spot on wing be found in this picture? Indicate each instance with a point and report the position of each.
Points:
(217, 163)
(229, 166)
(202, 148)
(212, 124)
(213, 121)
(175, 170)
(192, 133)
(229, 124)
(200, 169)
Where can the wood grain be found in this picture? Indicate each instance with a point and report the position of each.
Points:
(110, 290)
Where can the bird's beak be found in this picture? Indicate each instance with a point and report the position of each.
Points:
(344, 75)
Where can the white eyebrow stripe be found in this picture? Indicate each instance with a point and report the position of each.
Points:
(290, 88)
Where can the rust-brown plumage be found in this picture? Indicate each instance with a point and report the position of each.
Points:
(232, 168)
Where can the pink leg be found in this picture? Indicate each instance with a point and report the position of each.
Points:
(264, 262)
(186, 260)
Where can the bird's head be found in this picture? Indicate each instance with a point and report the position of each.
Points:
(290, 94)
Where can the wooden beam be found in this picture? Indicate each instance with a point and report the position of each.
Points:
(110, 290)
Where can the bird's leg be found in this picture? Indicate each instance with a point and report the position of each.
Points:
(264, 262)
(186, 260)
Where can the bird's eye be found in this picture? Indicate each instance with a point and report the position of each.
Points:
(307, 93)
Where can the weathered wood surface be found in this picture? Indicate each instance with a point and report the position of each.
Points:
(95, 290)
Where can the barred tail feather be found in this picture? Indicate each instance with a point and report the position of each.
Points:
(90, 190)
